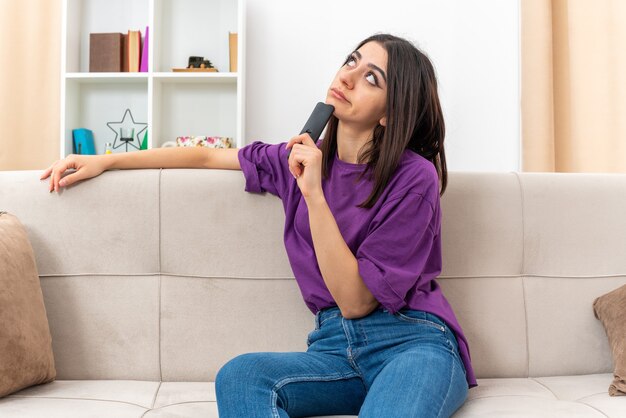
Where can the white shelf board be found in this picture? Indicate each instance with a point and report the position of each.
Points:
(107, 77)
(182, 77)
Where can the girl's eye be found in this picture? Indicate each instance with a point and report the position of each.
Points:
(351, 62)
(371, 78)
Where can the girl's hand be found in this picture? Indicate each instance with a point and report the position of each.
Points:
(305, 163)
(86, 166)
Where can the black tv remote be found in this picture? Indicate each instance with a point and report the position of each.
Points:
(317, 121)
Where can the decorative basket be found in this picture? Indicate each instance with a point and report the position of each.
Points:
(204, 141)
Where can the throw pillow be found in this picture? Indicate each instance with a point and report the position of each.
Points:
(610, 309)
(25, 344)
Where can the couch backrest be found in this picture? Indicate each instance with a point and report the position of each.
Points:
(524, 256)
(167, 274)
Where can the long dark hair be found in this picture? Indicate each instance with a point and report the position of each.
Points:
(414, 118)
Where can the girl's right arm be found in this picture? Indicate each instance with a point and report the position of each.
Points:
(88, 166)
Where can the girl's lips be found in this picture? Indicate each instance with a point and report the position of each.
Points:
(338, 94)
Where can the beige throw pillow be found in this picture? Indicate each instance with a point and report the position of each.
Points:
(25, 344)
(611, 310)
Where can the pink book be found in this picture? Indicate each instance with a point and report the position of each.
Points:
(144, 54)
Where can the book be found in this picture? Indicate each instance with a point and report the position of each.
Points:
(144, 142)
(105, 52)
(124, 53)
(232, 49)
(82, 142)
(133, 50)
(143, 67)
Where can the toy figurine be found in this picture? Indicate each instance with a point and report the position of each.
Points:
(199, 62)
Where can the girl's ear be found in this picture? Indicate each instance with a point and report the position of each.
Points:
(383, 121)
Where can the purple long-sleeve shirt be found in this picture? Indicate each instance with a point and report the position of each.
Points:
(397, 243)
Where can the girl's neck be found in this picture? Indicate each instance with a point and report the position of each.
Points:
(350, 141)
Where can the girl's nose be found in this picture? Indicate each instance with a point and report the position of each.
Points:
(347, 79)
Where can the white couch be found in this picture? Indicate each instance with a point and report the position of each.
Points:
(153, 279)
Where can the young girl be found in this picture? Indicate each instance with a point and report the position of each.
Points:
(363, 236)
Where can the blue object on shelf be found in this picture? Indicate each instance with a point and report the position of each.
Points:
(82, 142)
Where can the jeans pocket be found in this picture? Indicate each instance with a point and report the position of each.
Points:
(418, 317)
(327, 318)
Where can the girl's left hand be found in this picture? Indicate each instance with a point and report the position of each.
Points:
(305, 163)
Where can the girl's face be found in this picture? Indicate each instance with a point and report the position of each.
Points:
(359, 90)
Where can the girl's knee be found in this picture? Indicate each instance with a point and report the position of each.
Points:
(233, 370)
(242, 369)
(241, 385)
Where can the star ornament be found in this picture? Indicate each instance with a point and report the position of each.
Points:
(135, 128)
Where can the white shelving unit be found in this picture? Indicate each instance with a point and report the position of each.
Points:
(171, 103)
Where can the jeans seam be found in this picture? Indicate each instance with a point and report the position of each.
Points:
(449, 387)
(349, 353)
(304, 378)
(410, 320)
(454, 349)
(363, 333)
(352, 361)
(273, 398)
(345, 331)
(327, 319)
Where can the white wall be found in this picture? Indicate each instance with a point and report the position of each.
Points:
(294, 48)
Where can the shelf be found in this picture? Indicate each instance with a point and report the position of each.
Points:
(82, 17)
(171, 103)
(92, 104)
(193, 28)
(106, 77)
(194, 108)
(217, 78)
(209, 78)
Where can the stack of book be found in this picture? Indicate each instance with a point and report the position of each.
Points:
(118, 52)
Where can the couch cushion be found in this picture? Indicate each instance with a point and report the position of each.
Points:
(482, 225)
(172, 393)
(227, 317)
(185, 399)
(133, 392)
(104, 327)
(221, 230)
(576, 388)
(571, 224)
(84, 229)
(497, 343)
(66, 408)
(549, 397)
(567, 340)
(516, 406)
(82, 398)
(25, 344)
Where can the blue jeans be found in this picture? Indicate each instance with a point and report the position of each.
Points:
(382, 365)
